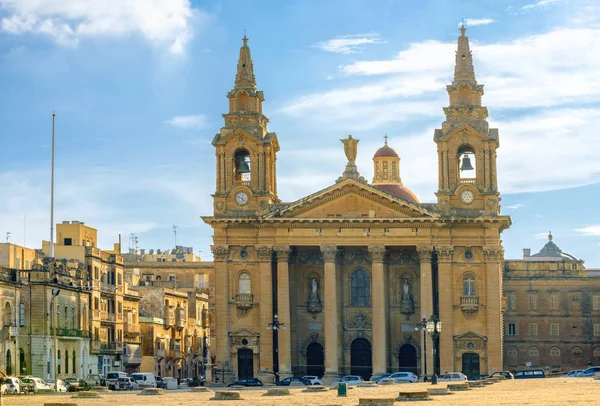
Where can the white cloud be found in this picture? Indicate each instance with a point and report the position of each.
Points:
(540, 4)
(590, 230)
(514, 206)
(471, 22)
(349, 44)
(192, 122)
(165, 23)
(541, 236)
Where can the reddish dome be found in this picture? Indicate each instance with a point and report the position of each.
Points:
(399, 191)
(385, 151)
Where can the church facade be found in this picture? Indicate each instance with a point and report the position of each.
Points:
(335, 283)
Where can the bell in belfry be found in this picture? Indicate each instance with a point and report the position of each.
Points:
(466, 164)
(242, 166)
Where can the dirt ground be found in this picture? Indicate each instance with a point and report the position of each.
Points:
(550, 391)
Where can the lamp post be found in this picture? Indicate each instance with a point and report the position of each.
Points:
(276, 325)
(434, 327)
(422, 325)
(55, 293)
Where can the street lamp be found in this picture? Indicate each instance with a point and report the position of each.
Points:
(434, 328)
(422, 325)
(55, 293)
(276, 325)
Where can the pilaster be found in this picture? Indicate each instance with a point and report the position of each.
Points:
(283, 311)
(494, 257)
(265, 255)
(425, 252)
(221, 255)
(332, 322)
(379, 347)
(446, 302)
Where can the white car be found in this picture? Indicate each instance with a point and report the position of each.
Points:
(400, 377)
(314, 380)
(452, 377)
(351, 380)
(572, 374)
(13, 385)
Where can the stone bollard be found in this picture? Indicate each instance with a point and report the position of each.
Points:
(86, 394)
(439, 391)
(201, 389)
(100, 388)
(596, 377)
(475, 384)
(458, 386)
(368, 384)
(316, 388)
(152, 391)
(413, 396)
(277, 392)
(376, 401)
(226, 395)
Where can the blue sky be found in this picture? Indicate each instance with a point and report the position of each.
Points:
(139, 89)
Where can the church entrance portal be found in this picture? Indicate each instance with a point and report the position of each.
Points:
(407, 359)
(245, 363)
(315, 360)
(470, 365)
(360, 358)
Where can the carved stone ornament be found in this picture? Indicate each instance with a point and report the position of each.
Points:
(403, 257)
(220, 206)
(445, 253)
(264, 252)
(315, 305)
(312, 257)
(424, 252)
(407, 305)
(493, 253)
(354, 256)
(283, 253)
(360, 322)
(264, 204)
(329, 252)
(377, 253)
(220, 252)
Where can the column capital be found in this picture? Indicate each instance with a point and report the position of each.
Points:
(493, 254)
(283, 253)
(329, 252)
(445, 253)
(220, 252)
(264, 252)
(425, 252)
(377, 253)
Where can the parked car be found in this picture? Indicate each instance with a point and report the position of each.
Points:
(247, 382)
(128, 384)
(289, 381)
(478, 377)
(95, 380)
(144, 379)
(530, 373)
(381, 378)
(159, 382)
(400, 377)
(13, 385)
(351, 380)
(76, 385)
(505, 374)
(314, 380)
(27, 386)
(112, 380)
(452, 377)
(572, 374)
(589, 373)
(196, 381)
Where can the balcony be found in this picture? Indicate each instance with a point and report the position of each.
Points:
(244, 301)
(95, 346)
(467, 180)
(169, 317)
(161, 352)
(180, 319)
(174, 353)
(106, 316)
(131, 329)
(469, 304)
(71, 332)
(115, 347)
(107, 288)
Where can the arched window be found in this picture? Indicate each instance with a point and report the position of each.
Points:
(469, 285)
(533, 352)
(512, 356)
(22, 361)
(7, 315)
(241, 162)
(597, 352)
(244, 283)
(576, 352)
(466, 162)
(59, 362)
(361, 288)
(555, 352)
(512, 352)
(74, 363)
(66, 362)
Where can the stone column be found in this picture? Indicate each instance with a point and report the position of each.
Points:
(265, 256)
(494, 258)
(332, 321)
(378, 310)
(283, 311)
(446, 302)
(222, 294)
(426, 305)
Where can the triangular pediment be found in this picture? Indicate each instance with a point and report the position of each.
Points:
(352, 199)
(466, 131)
(244, 333)
(470, 335)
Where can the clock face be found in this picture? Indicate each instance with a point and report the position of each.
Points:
(241, 198)
(467, 197)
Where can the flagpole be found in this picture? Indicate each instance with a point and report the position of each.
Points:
(52, 194)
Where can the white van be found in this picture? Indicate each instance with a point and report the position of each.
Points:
(144, 379)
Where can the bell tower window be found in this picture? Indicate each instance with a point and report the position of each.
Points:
(241, 163)
(466, 164)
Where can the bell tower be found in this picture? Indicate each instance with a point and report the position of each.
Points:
(466, 145)
(246, 152)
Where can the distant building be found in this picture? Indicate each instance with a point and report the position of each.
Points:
(13, 359)
(16, 257)
(552, 315)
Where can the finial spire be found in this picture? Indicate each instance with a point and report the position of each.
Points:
(385, 137)
(463, 72)
(549, 235)
(244, 77)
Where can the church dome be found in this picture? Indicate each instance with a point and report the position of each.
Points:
(385, 151)
(399, 191)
